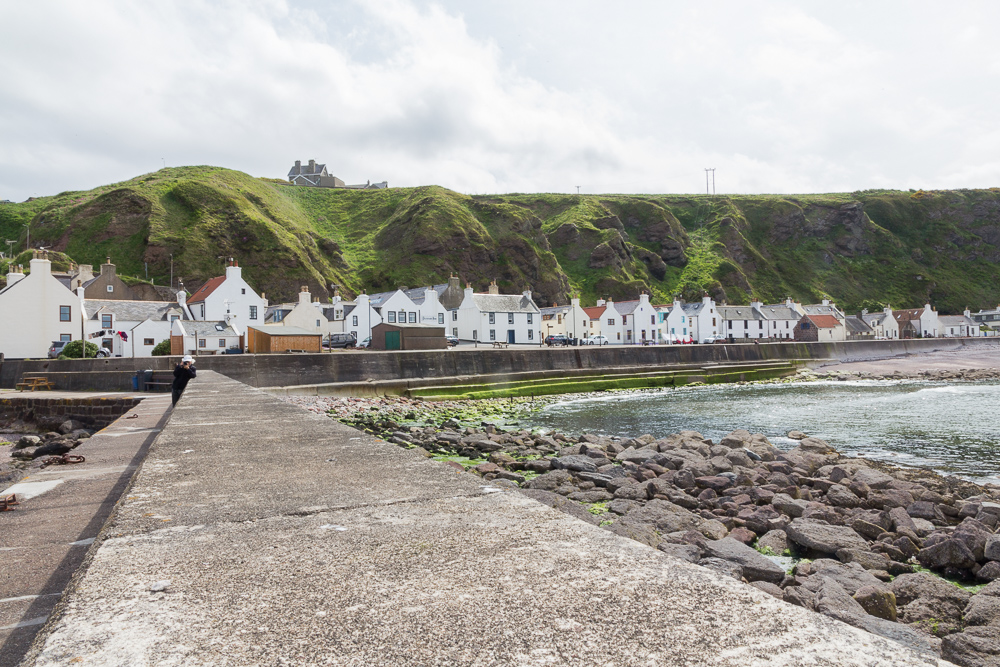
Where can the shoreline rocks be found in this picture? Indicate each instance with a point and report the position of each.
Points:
(870, 526)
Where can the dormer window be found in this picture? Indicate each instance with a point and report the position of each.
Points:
(105, 321)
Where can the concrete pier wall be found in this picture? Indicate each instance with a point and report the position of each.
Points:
(282, 370)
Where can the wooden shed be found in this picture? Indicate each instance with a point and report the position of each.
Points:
(270, 338)
(408, 337)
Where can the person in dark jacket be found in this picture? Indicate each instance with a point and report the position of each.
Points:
(182, 373)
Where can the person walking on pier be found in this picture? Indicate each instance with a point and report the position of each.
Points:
(182, 373)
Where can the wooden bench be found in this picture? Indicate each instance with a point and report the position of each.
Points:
(160, 381)
(499, 344)
(34, 382)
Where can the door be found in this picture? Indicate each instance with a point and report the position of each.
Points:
(392, 340)
(510, 336)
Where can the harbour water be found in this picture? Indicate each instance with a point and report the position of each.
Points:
(953, 428)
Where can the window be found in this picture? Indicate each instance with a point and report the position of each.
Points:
(107, 343)
(243, 290)
(611, 321)
(454, 332)
(531, 318)
(440, 318)
(105, 321)
(672, 331)
(392, 317)
(174, 318)
(201, 342)
(510, 318)
(493, 334)
(222, 343)
(111, 288)
(412, 318)
(65, 337)
(730, 323)
(746, 324)
(202, 311)
(317, 324)
(454, 316)
(652, 319)
(253, 312)
(493, 318)
(619, 335)
(531, 334)
(147, 341)
(558, 319)
(64, 314)
(354, 320)
(713, 321)
(402, 316)
(624, 320)
(475, 335)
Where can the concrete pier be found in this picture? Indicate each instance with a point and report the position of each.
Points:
(257, 533)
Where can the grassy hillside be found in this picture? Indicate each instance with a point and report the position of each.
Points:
(862, 249)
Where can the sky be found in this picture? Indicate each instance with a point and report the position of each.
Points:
(519, 96)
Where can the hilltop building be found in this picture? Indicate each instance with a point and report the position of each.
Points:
(316, 176)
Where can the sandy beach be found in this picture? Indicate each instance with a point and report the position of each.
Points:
(982, 358)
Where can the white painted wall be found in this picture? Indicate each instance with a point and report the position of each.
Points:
(233, 300)
(30, 313)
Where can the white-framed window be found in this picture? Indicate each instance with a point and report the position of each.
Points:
(475, 335)
(402, 316)
(652, 319)
(531, 318)
(510, 318)
(111, 288)
(354, 320)
(454, 332)
(454, 316)
(493, 318)
(412, 319)
(147, 341)
(253, 312)
(440, 318)
(392, 317)
(222, 342)
(317, 324)
(202, 342)
(202, 311)
(493, 334)
(243, 290)
(531, 334)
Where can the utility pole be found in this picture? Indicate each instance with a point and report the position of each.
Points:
(10, 247)
(709, 169)
(713, 181)
(27, 244)
(578, 190)
(171, 270)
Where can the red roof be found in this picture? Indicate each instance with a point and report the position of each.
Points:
(206, 289)
(595, 311)
(824, 321)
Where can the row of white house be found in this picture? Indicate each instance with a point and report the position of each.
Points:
(50, 307)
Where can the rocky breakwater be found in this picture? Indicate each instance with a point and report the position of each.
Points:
(874, 534)
(30, 452)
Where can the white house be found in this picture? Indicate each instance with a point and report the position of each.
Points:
(360, 318)
(918, 322)
(702, 318)
(395, 307)
(882, 323)
(201, 337)
(144, 323)
(229, 298)
(826, 307)
(675, 326)
(741, 322)
(554, 320)
(37, 310)
(491, 317)
(308, 314)
(779, 319)
(953, 326)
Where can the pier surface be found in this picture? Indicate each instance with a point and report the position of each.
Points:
(258, 533)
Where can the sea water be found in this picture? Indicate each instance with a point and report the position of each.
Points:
(953, 428)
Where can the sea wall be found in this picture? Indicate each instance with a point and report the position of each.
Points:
(49, 413)
(281, 370)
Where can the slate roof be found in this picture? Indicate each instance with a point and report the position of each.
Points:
(779, 313)
(303, 170)
(824, 321)
(131, 311)
(856, 325)
(820, 309)
(626, 307)
(738, 313)
(504, 303)
(205, 290)
(202, 328)
(692, 309)
(956, 320)
(874, 319)
(554, 310)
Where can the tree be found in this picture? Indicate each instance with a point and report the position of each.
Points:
(162, 348)
(73, 348)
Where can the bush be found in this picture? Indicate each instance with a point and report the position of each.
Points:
(162, 348)
(72, 350)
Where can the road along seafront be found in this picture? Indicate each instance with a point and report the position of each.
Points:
(881, 538)
(257, 532)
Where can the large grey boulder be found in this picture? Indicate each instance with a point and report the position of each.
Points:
(664, 516)
(726, 568)
(982, 610)
(851, 576)
(756, 567)
(576, 462)
(931, 601)
(818, 536)
(562, 504)
(950, 553)
(636, 455)
(978, 646)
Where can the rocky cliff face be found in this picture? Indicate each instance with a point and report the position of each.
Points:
(862, 249)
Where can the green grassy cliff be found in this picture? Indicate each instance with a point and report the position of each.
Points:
(862, 249)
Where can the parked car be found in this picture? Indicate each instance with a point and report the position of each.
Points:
(714, 339)
(103, 352)
(596, 340)
(56, 348)
(340, 340)
(233, 350)
(365, 343)
(556, 339)
(452, 340)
